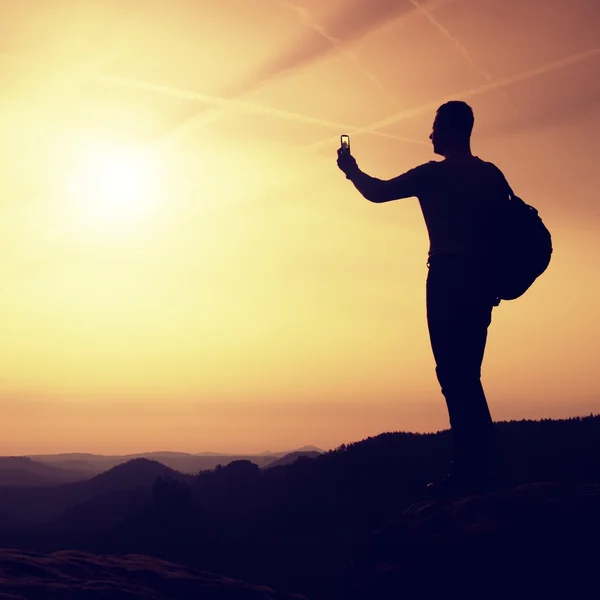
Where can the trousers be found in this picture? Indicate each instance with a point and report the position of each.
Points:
(460, 299)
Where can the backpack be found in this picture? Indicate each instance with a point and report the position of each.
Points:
(522, 247)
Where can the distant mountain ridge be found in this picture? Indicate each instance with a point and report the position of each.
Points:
(24, 471)
(184, 462)
(40, 504)
(292, 457)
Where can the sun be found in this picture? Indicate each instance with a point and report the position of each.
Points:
(114, 187)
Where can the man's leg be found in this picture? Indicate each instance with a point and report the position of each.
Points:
(458, 315)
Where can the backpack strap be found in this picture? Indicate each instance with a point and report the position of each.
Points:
(511, 194)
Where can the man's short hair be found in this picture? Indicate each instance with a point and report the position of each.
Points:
(457, 117)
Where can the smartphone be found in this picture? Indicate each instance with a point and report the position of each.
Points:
(345, 142)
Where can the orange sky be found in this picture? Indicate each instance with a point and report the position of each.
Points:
(185, 268)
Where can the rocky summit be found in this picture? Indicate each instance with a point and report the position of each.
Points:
(538, 540)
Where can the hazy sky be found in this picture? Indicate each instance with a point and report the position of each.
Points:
(184, 267)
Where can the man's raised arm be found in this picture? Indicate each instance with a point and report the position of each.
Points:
(378, 190)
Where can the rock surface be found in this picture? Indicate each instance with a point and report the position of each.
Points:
(70, 575)
(535, 540)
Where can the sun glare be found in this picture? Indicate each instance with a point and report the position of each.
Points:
(114, 187)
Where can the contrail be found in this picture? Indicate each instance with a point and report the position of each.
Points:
(462, 50)
(240, 105)
(307, 19)
(497, 84)
(455, 41)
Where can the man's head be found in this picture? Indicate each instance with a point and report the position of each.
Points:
(452, 128)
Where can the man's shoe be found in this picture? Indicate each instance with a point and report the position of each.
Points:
(455, 484)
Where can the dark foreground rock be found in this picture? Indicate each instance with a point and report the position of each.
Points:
(540, 540)
(71, 575)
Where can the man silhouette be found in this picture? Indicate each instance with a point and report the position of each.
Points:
(457, 197)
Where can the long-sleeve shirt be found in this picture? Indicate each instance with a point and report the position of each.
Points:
(458, 198)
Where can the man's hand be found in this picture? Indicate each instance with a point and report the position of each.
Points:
(347, 163)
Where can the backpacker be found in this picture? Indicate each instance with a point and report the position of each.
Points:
(522, 247)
